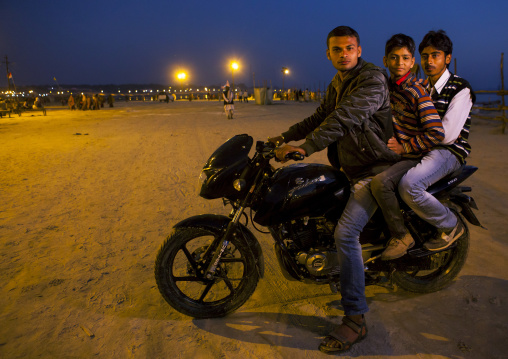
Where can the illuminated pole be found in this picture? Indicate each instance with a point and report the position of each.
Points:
(284, 71)
(234, 66)
(181, 77)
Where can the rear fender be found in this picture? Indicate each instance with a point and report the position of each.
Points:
(466, 204)
(216, 222)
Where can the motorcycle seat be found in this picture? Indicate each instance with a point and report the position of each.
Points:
(451, 180)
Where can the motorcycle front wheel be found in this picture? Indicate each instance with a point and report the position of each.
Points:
(428, 281)
(180, 270)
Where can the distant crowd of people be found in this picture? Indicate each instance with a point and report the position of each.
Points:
(34, 102)
(242, 96)
(95, 102)
(86, 102)
(299, 95)
(30, 102)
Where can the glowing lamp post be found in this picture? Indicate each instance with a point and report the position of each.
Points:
(234, 66)
(284, 71)
(181, 77)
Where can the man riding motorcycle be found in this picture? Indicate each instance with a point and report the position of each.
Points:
(354, 122)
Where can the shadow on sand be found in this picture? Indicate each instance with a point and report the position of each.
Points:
(442, 325)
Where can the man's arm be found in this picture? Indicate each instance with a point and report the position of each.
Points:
(456, 115)
(303, 128)
(369, 95)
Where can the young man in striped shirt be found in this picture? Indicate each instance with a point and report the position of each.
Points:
(417, 129)
(453, 98)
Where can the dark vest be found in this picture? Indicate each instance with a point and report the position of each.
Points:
(461, 147)
(226, 97)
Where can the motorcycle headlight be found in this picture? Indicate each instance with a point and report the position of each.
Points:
(203, 177)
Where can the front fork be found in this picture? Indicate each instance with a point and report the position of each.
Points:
(231, 228)
(214, 263)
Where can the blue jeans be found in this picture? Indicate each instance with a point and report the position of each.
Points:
(384, 187)
(413, 188)
(360, 207)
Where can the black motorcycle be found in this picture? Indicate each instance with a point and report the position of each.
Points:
(210, 264)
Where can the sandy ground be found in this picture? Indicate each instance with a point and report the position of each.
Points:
(87, 198)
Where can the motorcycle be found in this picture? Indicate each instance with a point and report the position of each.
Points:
(210, 264)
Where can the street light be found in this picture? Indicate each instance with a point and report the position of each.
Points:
(181, 77)
(234, 66)
(284, 71)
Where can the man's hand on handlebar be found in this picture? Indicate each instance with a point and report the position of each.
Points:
(282, 152)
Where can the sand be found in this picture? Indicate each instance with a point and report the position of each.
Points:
(87, 198)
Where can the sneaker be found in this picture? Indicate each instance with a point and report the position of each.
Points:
(445, 239)
(397, 247)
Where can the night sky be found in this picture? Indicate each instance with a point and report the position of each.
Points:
(148, 41)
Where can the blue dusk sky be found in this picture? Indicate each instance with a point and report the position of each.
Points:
(148, 41)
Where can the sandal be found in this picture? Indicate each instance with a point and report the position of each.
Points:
(343, 343)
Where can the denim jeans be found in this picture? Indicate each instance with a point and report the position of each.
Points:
(384, 188)
(413, 188)
(360, 207)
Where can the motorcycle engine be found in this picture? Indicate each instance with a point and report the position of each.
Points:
(318, 262)
(313, 245)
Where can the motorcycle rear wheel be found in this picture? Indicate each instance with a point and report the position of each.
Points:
(430, 281)
(180, 273)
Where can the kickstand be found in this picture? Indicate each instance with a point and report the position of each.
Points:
(388, 284)
(390, 280)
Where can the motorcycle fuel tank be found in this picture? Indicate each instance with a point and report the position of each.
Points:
(301, 190)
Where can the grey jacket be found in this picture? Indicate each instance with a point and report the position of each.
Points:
(354, 121)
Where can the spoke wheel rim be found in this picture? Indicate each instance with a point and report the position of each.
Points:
(197, 263)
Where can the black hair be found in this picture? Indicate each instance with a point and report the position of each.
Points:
(437, 39)
(399, 41)
(342, 31)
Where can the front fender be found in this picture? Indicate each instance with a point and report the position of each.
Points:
(217, 222)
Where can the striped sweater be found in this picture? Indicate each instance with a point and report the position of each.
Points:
(416, 122)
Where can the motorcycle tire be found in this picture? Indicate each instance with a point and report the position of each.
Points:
(442, 277)
(179, 272)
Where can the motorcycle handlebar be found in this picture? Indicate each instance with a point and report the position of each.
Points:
(269, 149)
(295, 156)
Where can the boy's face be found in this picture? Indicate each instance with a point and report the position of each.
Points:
(399, 61)
(343, 52)
(434, 62)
